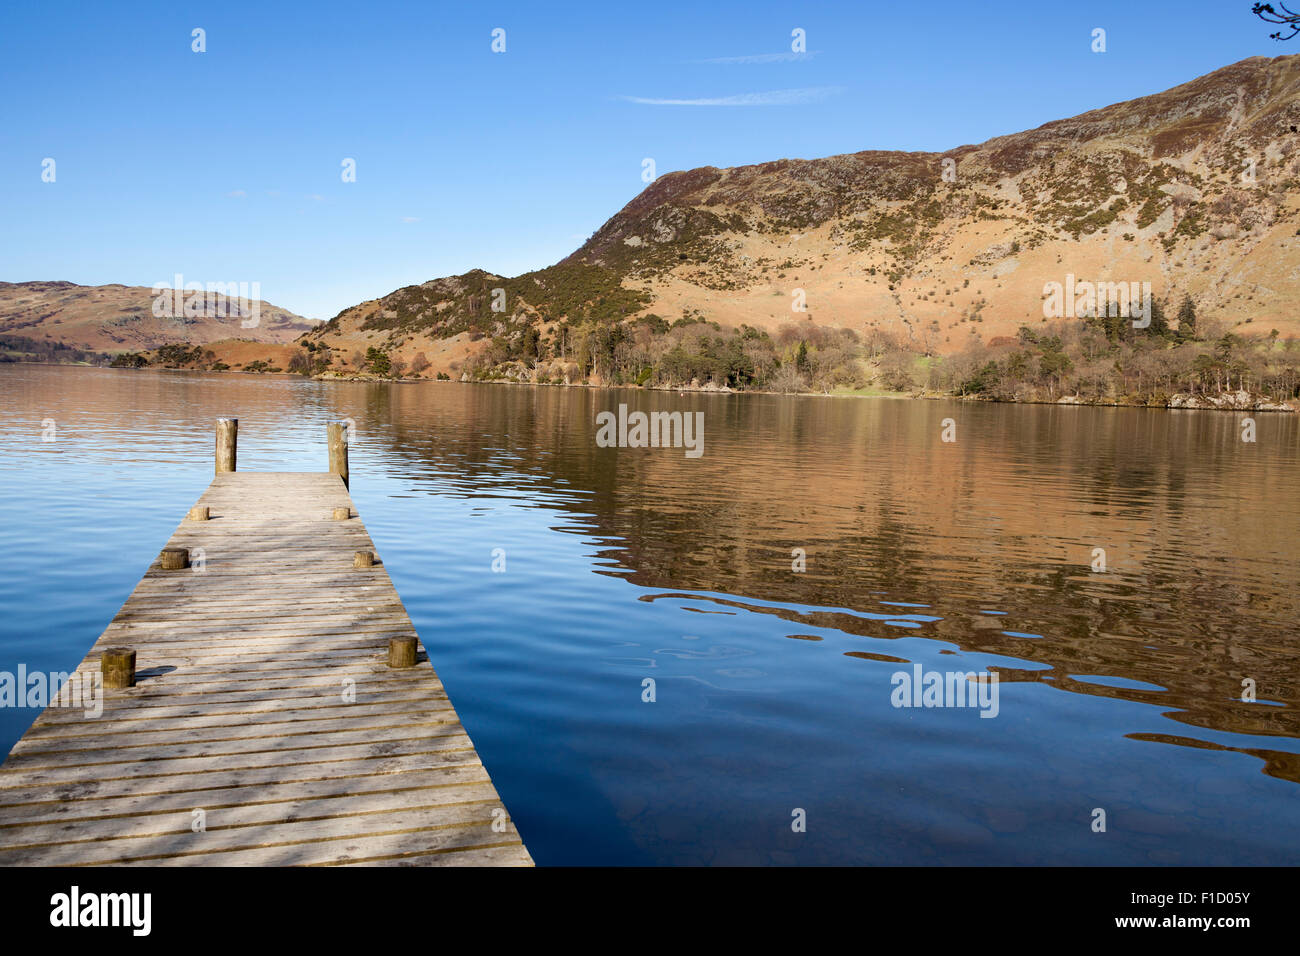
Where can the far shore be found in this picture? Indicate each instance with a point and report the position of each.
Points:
(1231, 402)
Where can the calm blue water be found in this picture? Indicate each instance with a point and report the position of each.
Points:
(773, 687)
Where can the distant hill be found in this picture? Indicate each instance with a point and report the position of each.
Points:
(118, 318)
(1195, 190)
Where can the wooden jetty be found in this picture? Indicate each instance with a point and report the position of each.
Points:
(281, 712)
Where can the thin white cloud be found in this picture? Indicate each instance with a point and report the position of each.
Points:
(315, 197)
(410, 219)
(237, 194)
(273, 192)
(808, 94)
(760, 58)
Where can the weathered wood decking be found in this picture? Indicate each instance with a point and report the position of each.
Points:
(239, 711)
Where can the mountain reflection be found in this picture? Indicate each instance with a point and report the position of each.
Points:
(1201, 577)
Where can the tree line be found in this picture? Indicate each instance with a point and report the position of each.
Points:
(1100, 359)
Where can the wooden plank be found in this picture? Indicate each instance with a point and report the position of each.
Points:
(76, 792)
(134, 804)
(428, 827)
(445, 846)
(462, 802)
(167, 730)
(263, 698)
(199, 716)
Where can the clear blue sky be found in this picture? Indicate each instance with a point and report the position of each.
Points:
(225, 165)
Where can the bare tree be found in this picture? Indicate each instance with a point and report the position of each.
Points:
(787, 379)
(300, 363)
(1286, 18)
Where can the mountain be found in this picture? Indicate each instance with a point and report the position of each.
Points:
(116, 318)
(1193, 190)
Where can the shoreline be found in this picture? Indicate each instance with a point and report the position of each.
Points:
(1187, 403)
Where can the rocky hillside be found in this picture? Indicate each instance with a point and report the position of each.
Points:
(118, 318)
(1195, 190)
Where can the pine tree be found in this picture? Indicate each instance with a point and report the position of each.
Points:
(1187, 318)
(1159, 324)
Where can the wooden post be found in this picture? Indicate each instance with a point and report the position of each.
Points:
(199, 513)
(174, 559)
(342, 514)
(117, 664)
(363, 559)
(401, 652)
(227, 438)
(338, 442)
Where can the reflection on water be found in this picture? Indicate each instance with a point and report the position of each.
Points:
(1120, 690)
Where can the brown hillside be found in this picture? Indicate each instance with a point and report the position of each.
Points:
(118, 318)
(1149, 190)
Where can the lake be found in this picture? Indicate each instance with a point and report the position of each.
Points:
(781, 591)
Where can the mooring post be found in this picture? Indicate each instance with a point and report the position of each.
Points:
(401, 652)
(338, 442)
(227, 438)
(117, 664)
